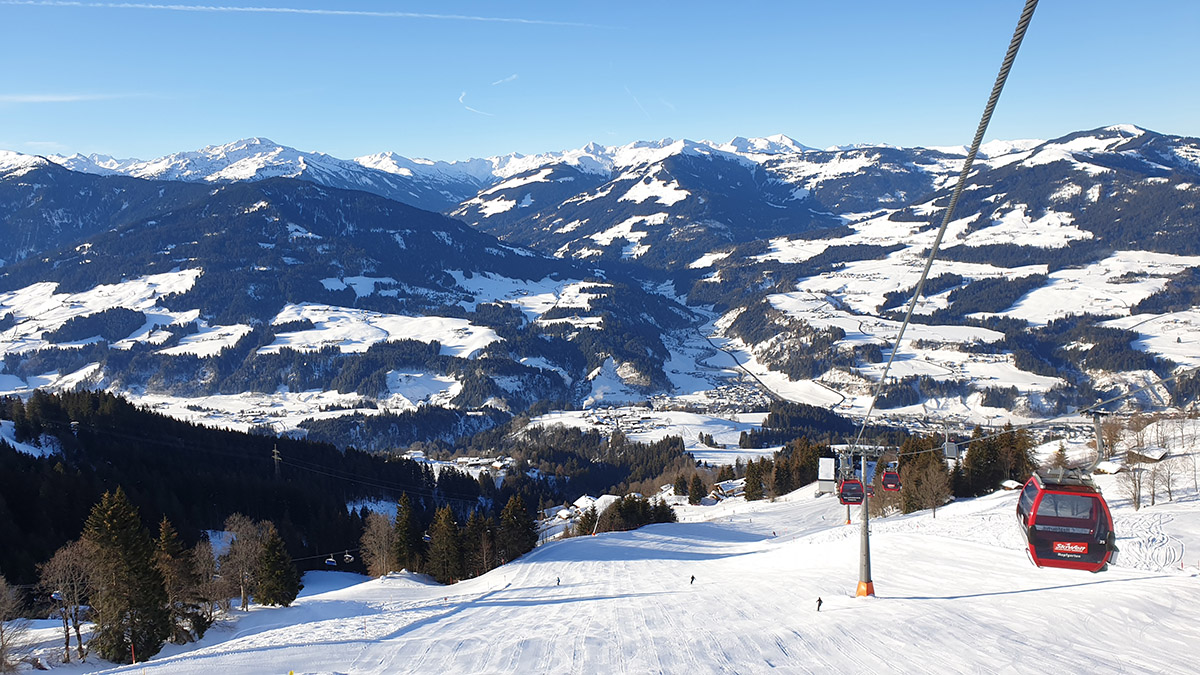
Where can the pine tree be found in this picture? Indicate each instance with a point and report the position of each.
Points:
(278, 579)
(409, 545)
(983, 465)
(587, 521)
(662, 512)
(473, 546)
(129, 601)
(1059, 458)
(179, 581)
(696, 491)
(754, 484)
(681, 486)
(518, 533)
(783, 478)
(445, 552)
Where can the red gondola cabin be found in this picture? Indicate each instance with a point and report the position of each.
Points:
(890, 481)
(850, 491)
(1066, 522)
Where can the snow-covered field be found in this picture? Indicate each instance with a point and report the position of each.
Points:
(646, 426)
(955, 594)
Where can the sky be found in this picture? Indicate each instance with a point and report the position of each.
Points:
(453, 80)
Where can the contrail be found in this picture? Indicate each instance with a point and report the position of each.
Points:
(293, 10)
(639, 103)
(464, 104)
(502, 80)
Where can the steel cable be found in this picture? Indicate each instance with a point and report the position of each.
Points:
(1009, 57)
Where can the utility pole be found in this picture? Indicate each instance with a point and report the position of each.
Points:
(866, 587)
(275, 456)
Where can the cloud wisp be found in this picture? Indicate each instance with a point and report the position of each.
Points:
(59, 98)
(503, 80)
(462, 99)
(295, 10)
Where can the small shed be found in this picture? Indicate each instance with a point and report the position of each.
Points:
(1149, 453)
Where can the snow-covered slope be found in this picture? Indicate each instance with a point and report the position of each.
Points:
(955, 594)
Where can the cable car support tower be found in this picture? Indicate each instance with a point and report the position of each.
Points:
(866, 586)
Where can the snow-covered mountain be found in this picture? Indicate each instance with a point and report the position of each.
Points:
(422, 183)
(428, 184)
(1071, 271)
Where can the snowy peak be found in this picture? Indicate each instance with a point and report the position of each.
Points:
(17, 164)
(777, 144)
(435, 186)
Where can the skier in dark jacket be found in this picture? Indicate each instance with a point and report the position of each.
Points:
(819, 603)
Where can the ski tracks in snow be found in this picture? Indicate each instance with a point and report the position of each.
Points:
(1145, 545)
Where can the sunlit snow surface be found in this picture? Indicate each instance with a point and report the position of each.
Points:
(40, 308)
(955, 594)
(355, 330)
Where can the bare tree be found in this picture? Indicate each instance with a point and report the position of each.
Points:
(1171, 470)
(239, 565)
(1110, 433)
(12, 626)
(212, 589)
(66, 577)
(378, 545)
(926, 483)
(1152, 478)
(1130, 482)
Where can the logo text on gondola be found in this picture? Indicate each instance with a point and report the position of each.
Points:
(1070, 547)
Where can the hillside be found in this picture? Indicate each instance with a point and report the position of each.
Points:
(955, 594)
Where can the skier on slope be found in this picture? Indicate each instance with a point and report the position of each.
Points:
(819, 603)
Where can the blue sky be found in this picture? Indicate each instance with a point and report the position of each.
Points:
(451, 80)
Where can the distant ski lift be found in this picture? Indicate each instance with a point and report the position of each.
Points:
(347, 558)
(891, 481)
(330, 562)
(75, 428)
(950, 450)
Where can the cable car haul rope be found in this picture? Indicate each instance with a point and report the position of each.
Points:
(866, 587)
